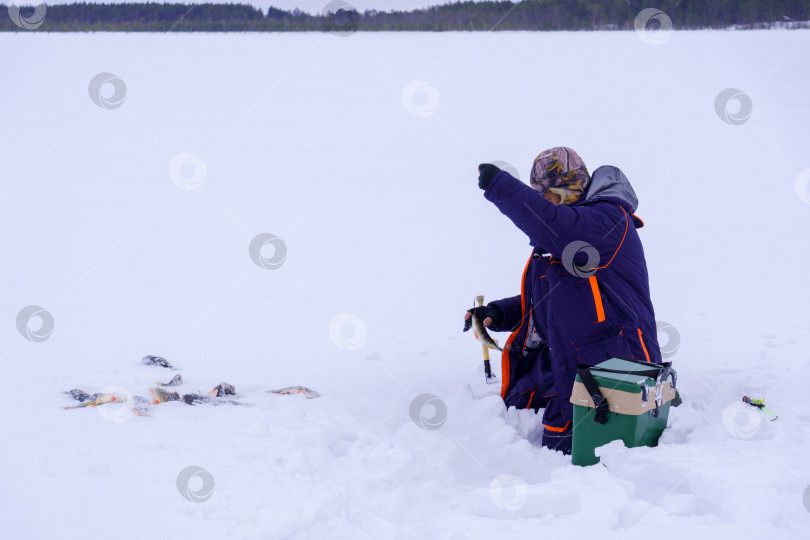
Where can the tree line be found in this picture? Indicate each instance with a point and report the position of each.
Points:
(457, 16)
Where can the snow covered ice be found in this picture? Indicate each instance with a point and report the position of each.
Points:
(128, 217)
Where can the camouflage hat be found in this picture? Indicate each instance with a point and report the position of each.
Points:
(560, 170)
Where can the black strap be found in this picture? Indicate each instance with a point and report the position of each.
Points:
(599, 401)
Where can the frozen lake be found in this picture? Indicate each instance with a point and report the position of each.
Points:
(128, 207)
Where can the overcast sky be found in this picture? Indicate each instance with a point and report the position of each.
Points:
(311, 6)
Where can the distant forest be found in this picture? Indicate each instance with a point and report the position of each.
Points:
(458, 16)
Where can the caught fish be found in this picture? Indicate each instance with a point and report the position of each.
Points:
(157, 361)
(140, 406)
(223, 389)
(482, 335)
(177, 380)
(100, 400)
(80, 395)
(202, 399)
(309, 393)
(159, 395)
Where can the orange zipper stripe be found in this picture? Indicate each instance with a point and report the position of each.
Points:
(505, 369)
(597, 299)
(641, 339)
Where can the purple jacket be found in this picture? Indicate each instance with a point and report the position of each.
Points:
(584, 311)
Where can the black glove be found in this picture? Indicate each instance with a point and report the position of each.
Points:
(482, 312)
(486, 172)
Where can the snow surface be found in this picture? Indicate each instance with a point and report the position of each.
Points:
(309, 137)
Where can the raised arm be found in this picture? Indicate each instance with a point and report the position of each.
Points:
(555, 227)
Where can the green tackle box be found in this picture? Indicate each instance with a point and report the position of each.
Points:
(634, 400)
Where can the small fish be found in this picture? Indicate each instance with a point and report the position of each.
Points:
(100, 400)
(482, 335)
(223, 389)
(159, 395)
(140, 406)
(177, 380)
(309, 393)
(197, 399)
(202, 399)
(80, 395)
(157, 361)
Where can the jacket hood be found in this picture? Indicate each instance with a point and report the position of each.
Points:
(608, 183)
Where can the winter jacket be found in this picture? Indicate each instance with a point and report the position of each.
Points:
(582, 313)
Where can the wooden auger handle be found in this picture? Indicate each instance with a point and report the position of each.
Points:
(480, 300)
(487, 366)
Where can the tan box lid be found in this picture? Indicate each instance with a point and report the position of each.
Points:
(622, 402)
